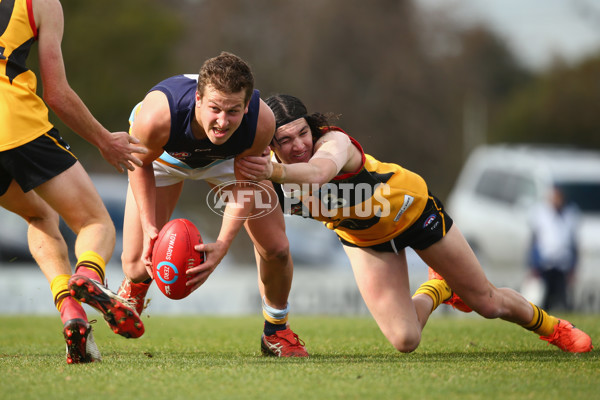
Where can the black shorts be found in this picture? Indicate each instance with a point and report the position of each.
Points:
(431, 227)
(35, 162)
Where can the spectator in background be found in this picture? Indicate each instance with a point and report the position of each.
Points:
(553, 253)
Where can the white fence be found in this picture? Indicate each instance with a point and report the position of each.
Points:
(233, 290)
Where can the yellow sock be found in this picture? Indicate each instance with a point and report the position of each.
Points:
(274, 315)
(276, 321)
(93, 262)
(60, 289)
(437, 289)
(542, 323)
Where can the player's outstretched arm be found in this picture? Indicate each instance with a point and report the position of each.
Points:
(116, 148)
(152, 129)
(240, 202)
(333, 152)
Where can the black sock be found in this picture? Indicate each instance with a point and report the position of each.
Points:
(270, 328)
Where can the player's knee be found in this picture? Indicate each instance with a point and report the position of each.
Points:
(42, 220)
(133, 266)
(99, 224)
(277, 251)
(38, 213)
(48, 225)
(128, 259)
(406, 342)
(103, 227)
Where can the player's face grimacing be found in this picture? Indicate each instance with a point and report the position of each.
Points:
(293, 142)
(220, 114)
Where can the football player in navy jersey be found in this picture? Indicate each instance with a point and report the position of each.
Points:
(193, 127)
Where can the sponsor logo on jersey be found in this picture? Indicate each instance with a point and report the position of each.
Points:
(408, 200)
(180, 154)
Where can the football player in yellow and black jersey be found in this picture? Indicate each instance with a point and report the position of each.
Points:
(40, 178)
(377, 209)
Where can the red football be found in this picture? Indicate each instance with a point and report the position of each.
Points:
(173, 254)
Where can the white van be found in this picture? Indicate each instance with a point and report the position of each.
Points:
(492, 199)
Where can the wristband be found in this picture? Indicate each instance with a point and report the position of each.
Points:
(278, 174)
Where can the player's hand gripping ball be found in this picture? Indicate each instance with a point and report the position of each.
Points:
(173, 254)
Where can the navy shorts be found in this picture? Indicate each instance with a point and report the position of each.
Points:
(431, 227)
(35, 162)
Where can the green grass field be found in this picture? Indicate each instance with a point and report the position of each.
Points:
(200, 357)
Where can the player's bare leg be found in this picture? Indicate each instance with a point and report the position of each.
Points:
(274, 263)
(82, 209)
(382, 279)
(89, 219)
(137, 282)
(50, 251)
(453, 259)
(45, 241)
(275, 273)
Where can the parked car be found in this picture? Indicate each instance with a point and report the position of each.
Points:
(492, 199)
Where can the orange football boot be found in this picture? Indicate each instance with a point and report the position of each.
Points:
(568, 338)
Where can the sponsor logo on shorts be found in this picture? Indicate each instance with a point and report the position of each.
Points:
(429, 220)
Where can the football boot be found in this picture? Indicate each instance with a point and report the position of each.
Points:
(120, 317)
(81, 347)
(134, 294)
(284, 343)
(568, 338)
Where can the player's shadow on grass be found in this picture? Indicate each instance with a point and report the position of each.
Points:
(542, 355)
(448, 357)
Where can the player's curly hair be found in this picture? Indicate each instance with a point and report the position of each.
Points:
(227, 73)
(288, 108)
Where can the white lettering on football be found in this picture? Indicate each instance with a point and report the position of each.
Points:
(171, 244)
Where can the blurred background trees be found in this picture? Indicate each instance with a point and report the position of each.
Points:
(413, 86)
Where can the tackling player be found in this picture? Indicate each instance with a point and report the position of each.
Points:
(377, 209)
